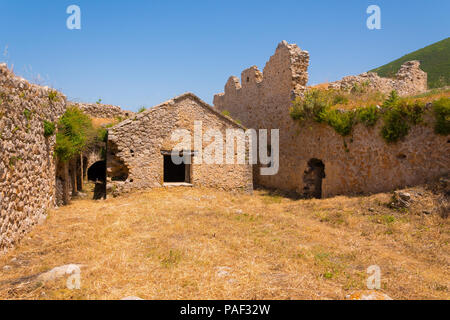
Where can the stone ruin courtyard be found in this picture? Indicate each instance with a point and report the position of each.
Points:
(229, 232)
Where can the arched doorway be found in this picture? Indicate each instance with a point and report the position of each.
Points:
(97, 171)
(312, 179)
(97, 174)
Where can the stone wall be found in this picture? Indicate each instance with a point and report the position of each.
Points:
(135, 146)
(262, 100)
(27, 164)
(104, 111)
(409, 80)
(363, 163)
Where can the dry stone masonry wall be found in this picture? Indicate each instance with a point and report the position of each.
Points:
(361, 163)
(260, 100)
(27, 164)
(104, 111)
(409, 80)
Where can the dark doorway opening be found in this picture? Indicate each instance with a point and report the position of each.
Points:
(175, 172)
(312, 179)
(97, 172)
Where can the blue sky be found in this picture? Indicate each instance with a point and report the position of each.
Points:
(140, 53)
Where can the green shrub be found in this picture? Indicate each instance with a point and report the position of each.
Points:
(75, 131)
(49, 128)
(226, 113)
(395, 126)
(399, 115)
(368, 115)
(341, 121)
(312, 105)
(441, 110)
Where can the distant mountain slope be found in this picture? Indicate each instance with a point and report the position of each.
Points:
(435, 60)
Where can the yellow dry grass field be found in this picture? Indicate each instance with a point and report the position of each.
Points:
(189, 243)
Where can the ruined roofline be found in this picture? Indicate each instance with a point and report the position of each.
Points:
(253, 75)
(187, 95)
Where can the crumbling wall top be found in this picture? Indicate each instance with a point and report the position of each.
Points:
(286, 69)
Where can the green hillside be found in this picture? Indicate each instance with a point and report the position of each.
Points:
(435, 60)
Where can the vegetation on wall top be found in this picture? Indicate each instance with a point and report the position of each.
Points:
(398, 114)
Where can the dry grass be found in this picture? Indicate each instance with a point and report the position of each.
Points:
(205, 244)
(101, 122)
(372, 98)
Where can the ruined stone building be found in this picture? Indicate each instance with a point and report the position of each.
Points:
(314, 159)
(139, 149)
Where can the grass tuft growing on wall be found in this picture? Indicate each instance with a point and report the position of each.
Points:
(53, 95)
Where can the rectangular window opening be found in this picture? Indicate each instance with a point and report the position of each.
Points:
(176, 173)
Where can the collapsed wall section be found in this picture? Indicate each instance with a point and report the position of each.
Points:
(409, 80)
(27, 164)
